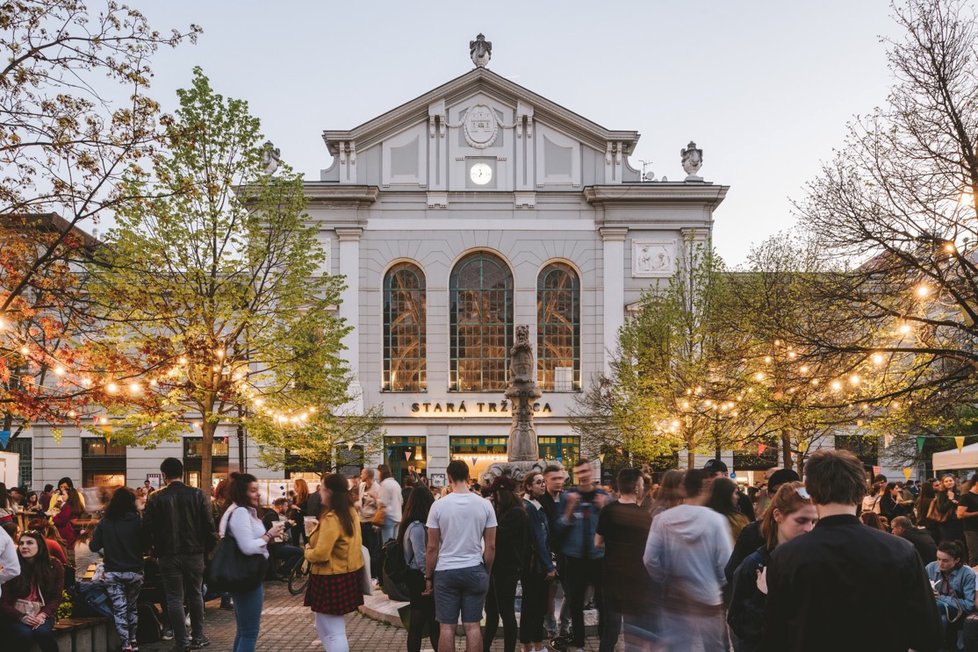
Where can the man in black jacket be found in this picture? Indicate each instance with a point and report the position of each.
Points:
(918, 536)
(824, 587)
(178, 522)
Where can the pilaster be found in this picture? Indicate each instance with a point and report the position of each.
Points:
(613, 245)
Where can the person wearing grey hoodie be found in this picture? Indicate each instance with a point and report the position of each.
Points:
(685, 554)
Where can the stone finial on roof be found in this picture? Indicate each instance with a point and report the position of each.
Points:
(480, 50)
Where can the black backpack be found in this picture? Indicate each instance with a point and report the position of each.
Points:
(394, 571)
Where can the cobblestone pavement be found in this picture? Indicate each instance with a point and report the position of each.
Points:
(287, 625)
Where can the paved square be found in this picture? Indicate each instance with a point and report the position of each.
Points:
(287, 625)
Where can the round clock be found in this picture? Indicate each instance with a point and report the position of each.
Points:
(480, 173)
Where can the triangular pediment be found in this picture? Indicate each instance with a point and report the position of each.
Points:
(490, 84)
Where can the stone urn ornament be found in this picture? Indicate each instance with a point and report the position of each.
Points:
(692, 158)
(480, 50)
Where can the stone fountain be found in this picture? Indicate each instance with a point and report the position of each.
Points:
(523, 451)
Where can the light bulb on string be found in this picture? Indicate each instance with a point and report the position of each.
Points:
(836, 386)
(59, 371)
(922, 290)
(877, 359)
(135, 388)
(111, 388)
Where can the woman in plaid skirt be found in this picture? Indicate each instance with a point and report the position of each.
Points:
(335, 564)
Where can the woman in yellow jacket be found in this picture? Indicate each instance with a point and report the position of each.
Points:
(336, 562)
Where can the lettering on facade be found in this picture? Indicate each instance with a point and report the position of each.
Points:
(502, 407)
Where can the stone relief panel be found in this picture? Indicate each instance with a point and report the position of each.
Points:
(653, 258)
(558, 159)
(404, 158)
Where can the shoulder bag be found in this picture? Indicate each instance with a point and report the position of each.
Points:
(935, 514)
(233, 571)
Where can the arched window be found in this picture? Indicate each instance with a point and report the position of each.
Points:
(405, 364)
(558, 328)
(481, 290)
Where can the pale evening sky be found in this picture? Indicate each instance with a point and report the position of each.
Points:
(764, 87)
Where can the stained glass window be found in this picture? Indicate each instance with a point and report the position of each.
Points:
(405, 362)
(558, 329)
(481, 291)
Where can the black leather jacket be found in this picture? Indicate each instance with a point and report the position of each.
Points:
(178, 521)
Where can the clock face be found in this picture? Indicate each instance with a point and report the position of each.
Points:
(480, 173)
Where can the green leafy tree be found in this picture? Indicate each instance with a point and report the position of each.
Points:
(212, 289)
(679, 380)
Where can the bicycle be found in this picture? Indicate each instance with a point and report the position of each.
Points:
(299, 577)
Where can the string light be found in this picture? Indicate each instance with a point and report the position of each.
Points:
(59, 371)
(854, 379)
(877, 359)
(135, 388)
(922, 290)
(836, 386)
(759, 376)
(111, 388)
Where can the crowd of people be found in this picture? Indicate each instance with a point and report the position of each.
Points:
(677, 561)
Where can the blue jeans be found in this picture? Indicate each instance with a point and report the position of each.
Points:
(22, 637)
(247, 617)
(389, 531)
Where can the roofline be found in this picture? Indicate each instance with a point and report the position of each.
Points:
(56, 224)
(545, 110)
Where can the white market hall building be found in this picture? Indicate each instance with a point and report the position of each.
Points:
(471, 209)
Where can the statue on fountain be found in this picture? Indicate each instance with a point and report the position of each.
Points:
(522, 394)
(523, 451)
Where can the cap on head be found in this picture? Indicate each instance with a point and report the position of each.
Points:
(715, 466)
(779, 477)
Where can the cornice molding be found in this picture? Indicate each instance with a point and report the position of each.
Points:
(321, 194)
(483, 79)
(700, 193)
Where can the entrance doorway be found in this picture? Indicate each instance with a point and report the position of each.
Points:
(405, 455)
(478, 452)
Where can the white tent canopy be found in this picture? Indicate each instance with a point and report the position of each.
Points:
(967, 458)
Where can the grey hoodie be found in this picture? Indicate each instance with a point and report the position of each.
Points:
(687, 549)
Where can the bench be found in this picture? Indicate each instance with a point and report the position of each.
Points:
(85, 635)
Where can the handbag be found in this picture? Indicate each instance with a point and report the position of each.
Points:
(365, 584)
(379, 516)
(231, 570)
(934, 515)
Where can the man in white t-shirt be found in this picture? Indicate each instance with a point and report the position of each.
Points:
(457, 564)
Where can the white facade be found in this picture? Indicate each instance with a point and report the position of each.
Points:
(482, 164)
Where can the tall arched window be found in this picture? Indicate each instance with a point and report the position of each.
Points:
(481, 290)
(405, 364)
(558, 328)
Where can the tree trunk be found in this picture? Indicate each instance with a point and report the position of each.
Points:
(206, 454)
(690, 458)
(786, 449)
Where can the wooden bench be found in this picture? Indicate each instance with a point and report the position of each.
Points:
(85, 635)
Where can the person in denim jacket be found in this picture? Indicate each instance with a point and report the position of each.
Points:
(577, 520)
(954, 587)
